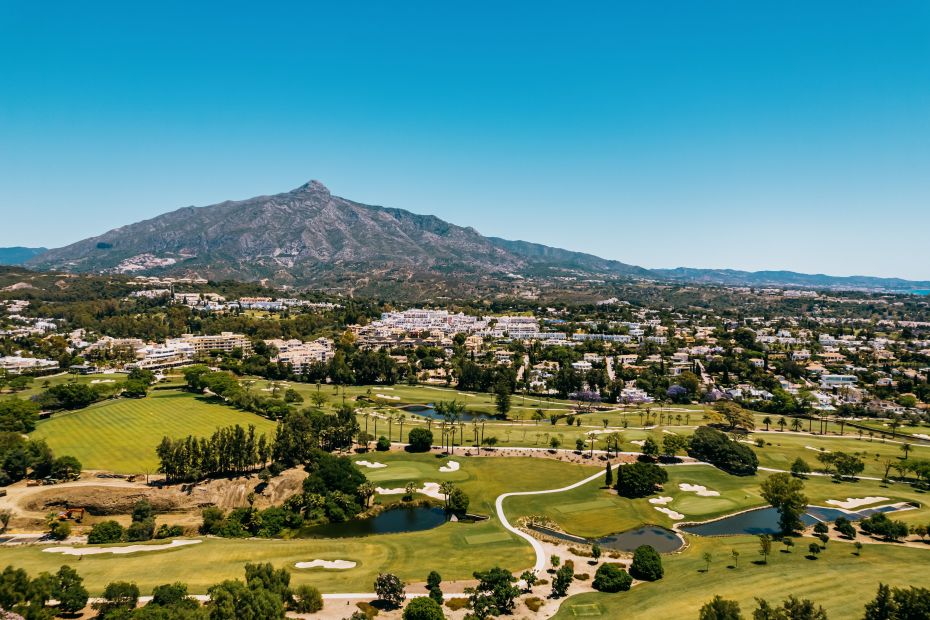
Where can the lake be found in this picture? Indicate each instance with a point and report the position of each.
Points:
(392, 521)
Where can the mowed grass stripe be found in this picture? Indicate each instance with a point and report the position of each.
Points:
(583, 506)
(122, 435)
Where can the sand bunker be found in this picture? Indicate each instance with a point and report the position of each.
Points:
(921, 436)
(95, 381)
(430, 489)
(638, 442)
(816, 449)
(677, 516)
(370, 465)
(449, 467)
(119, 550)
(386, 397)
(661, 501)
(851, 503)
(698, 489)
(328, 564)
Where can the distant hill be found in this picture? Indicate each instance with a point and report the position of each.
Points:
(308, 237)
(788, 278)
(18, 255)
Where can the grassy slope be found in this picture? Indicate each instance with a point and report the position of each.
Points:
(838, 580)
(121, 435)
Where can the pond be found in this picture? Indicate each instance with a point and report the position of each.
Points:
(392, 521)
(659, 538)
(427, 411)
(765, 520)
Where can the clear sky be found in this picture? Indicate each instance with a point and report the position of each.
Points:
(737, 134)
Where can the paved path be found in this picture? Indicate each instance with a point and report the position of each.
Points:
(541, 560)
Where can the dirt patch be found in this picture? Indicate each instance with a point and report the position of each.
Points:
(107, 500)
(229, 493)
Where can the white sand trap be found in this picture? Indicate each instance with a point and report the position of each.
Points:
(430, 489)
(852, 503)
(677, 516)
(450, 467)
(661, 501)
(921, 436)
(329, 564)
(699, 489)
(386, 397)
(371, 465)
(668, 432)
(638, 442)
(119, 550)
(103, 381)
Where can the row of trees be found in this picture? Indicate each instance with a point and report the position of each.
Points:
(230, 450)
(889, 604)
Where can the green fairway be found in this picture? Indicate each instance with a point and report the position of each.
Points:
(838, 579)
(121, 435)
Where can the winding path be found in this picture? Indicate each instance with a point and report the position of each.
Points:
(541, 560)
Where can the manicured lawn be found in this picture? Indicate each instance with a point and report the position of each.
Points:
(121, 435)
(838, 580)
(454, 549)
(482, 478)
(593, 511)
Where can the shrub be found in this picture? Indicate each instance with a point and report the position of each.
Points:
(611, 578)
(169, 531)
(369, 610)
(423, 608)
(307, 599)
(420, 440)
(458, 603)
(534, 603)
(383, 445)
(647, 565)
(105, 532)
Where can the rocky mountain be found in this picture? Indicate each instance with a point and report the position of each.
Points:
(18, 255)
(310, 237)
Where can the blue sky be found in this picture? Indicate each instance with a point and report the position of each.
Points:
(709, 134)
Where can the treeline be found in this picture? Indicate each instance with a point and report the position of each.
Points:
(21, 458)
(231, 450)
(266, 593)
(889, 604)
(234, 450)
(222, 384)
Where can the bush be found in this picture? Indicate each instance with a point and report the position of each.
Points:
(420, 440)
(59, 530)
(169, 531)
(456, 604)
(647, 565)
(534, 603)
(308, 599)
(611, 578)
(383, 445)
(105, 532)
(423, 608)
(139, 531)
(366, 609)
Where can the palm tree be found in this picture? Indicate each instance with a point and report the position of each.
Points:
(766, 420)
(366, 490)
(796, 424)
(605, 421)
(735, 555)
(446, 489)
(842, 424)
(366, 415)
(894, 424)
(390, 427)
(906, 447)
(707, 558)
(782, 423)
(401, 419)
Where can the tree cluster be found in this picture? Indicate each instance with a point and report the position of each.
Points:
(710, 445)
(230, 450)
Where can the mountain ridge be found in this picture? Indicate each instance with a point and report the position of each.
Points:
(309, 237)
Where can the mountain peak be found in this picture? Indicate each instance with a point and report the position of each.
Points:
(314, 186)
